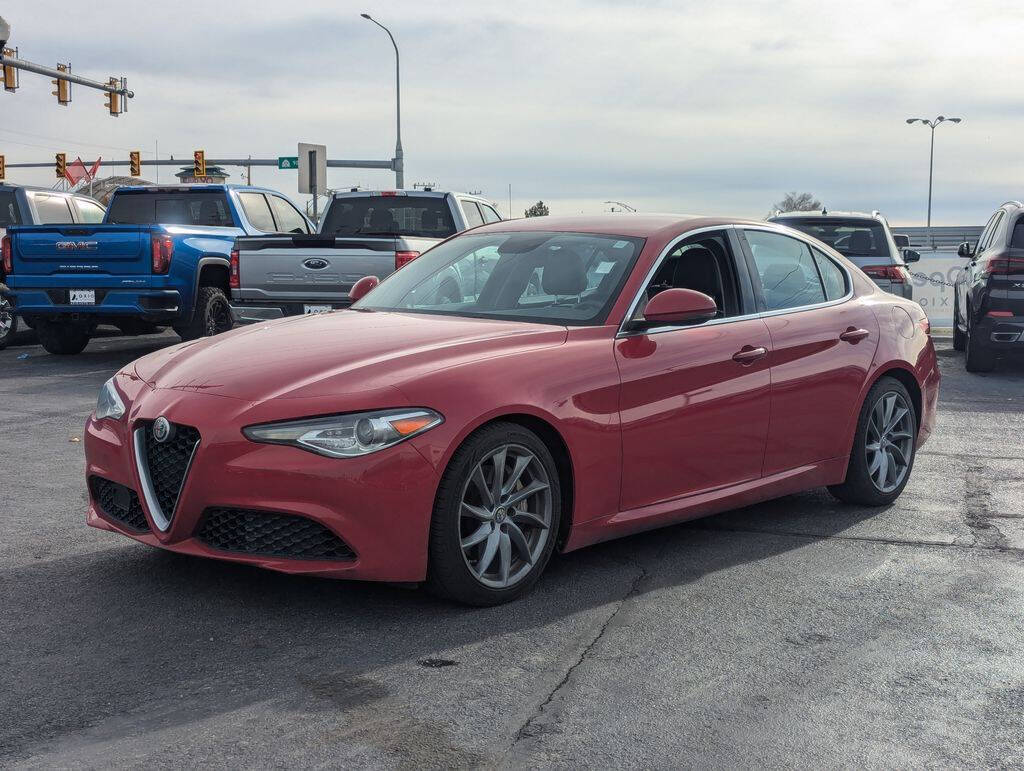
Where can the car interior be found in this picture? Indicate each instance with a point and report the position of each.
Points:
(704, 265)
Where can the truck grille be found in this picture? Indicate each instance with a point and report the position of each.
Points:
(118, 503)
(270, 535)
(165, 466)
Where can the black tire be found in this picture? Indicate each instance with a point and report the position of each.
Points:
(8, 323)
(959, 337)
(977, 358)
(62, 339)
(211, 316)
(448, 574)
(859, 487)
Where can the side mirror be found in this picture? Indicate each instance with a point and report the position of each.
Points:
(909, 255)
(902, 240)
(362, 287)
(965, 250)
(674, 306)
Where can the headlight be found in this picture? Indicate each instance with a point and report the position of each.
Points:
(347, 436)
(109, 404)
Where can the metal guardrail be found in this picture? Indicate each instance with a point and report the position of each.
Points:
(945, 238)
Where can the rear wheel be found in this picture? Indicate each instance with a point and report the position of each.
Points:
(212, 315)
(495, 518)
(8, 323)
(883, 449)
(62, 339)
(977, 357)
(959, 337)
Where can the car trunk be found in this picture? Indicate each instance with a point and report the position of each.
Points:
(111, 249)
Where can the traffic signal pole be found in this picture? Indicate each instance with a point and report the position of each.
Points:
(114, 86)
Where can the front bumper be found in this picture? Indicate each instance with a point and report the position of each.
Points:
(379, 505)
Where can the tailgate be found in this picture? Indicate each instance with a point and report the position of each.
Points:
(42, 250)
(299, 268)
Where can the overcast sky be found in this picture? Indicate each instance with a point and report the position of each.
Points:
(697, 107)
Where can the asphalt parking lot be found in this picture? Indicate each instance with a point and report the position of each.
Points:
(798, 633)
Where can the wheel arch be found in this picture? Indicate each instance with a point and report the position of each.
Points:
(559, 449)
(909, 381)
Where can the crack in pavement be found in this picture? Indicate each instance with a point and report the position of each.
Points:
(545, 716)
(977, 513)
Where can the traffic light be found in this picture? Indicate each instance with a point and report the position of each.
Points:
(135, 161)
(10, 74)
(199, 165)
(3, 168)
(63, 92)
(113, 98)
(62, 166)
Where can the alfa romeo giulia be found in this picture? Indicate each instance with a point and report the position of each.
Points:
(592, 377)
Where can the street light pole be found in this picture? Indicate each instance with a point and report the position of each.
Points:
(399, 155)
(931, 160)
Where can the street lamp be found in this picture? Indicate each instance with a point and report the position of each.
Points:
(931, 160)
(399, 155)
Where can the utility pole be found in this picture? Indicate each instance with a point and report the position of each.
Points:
(931, 162)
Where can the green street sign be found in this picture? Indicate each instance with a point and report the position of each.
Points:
(288, 162)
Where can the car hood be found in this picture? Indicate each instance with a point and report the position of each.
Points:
(335, 353)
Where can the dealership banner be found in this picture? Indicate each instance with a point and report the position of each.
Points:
(932, 280)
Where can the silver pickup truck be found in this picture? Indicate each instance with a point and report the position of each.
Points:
(361, 233)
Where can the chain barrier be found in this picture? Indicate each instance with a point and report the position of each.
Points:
(931, 279)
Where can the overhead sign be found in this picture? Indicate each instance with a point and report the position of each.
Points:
(312, 168)
(287, 161)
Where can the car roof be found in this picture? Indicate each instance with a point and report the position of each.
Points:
(431, 193)
(199, 186)
(825, 215)
(641, 225)
(40, 189)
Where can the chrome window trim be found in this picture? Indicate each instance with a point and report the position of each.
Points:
(796, 235)
(162, 522)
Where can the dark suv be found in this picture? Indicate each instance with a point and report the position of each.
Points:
(988, 307)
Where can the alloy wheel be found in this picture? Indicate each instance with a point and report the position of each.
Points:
(218, 319)
(505, 516)
(889, 444)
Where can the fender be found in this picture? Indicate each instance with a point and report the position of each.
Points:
(206, 259)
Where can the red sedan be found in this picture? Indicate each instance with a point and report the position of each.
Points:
(522, 388)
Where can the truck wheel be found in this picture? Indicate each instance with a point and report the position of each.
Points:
(62, 339)
(8, 323)
(212, 315)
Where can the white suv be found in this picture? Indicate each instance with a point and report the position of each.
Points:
(865, 239)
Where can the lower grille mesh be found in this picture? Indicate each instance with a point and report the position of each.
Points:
(271, 535)
(118, 503)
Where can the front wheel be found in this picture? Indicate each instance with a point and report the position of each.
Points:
(212, 315)
(495, 517)
(8, 323)
(883, 449)
(959, 337)
(62, 339)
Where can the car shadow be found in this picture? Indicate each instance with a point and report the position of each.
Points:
(117, 632)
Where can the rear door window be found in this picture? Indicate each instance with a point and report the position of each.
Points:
(1017, 240)
(89, 211)
(287, 216)
(52, 209)
(187, 207)
(473, 216)
(257, 211)
(9, 214)
(832, 276)
(418, 216)
(787, 272)
(490, 215)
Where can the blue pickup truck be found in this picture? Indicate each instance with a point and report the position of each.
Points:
(161, 257)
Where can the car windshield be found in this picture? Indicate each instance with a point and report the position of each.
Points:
(418, 216)
(851, 237)
(162, 207)
(8, 209)
(554, 278)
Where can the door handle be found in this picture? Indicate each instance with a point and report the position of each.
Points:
(748, 354)
(853, 335)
